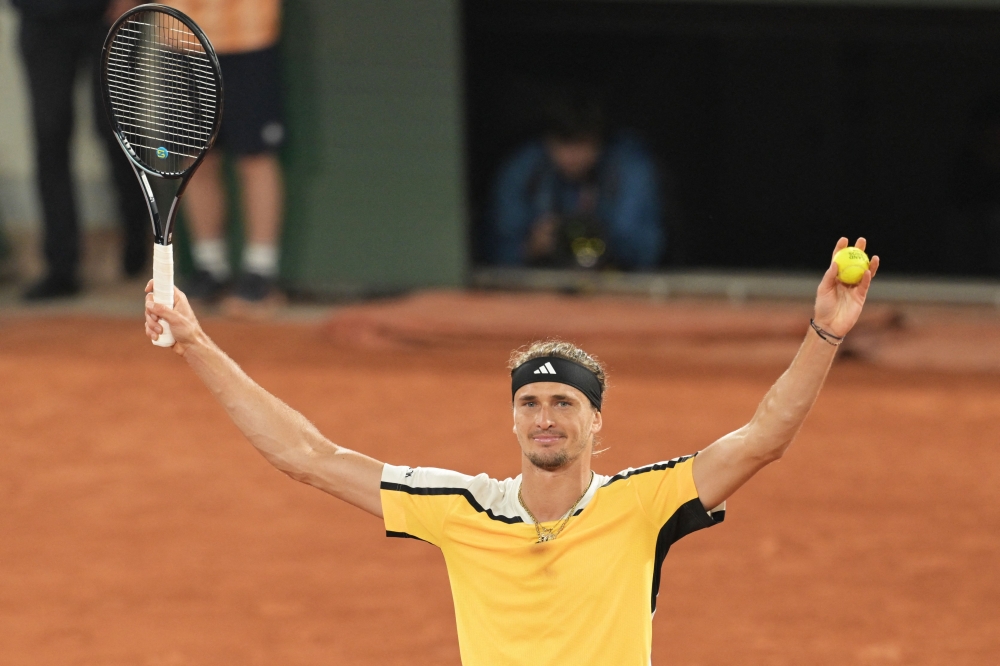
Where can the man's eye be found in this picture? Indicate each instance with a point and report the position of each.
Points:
(564, 403)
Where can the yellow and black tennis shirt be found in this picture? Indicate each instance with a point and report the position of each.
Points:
(586, 598)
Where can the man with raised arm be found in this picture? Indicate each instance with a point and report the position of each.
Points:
(559, 565)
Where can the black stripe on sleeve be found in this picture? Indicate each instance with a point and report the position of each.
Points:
(404, 535)
(464, 492)
(669, 464)
(689, 517)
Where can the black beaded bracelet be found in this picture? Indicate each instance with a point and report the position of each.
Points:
(827, 337)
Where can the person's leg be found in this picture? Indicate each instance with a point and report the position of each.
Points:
(263, 202)
(205, 212)
(6, 263)
(205, 200)
(137, 234)
(253, 114)
(50, 59)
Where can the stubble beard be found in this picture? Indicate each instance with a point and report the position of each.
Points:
(551, 461)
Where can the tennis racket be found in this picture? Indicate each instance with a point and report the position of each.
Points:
(162, 88)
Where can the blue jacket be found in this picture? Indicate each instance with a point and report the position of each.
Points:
(628, 203)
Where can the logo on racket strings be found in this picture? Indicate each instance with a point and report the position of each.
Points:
(162, 153)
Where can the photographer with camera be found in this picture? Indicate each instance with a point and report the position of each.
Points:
(577, 197)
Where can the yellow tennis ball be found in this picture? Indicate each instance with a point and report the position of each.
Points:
(852, 264)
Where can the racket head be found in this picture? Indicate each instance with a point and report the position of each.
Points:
(162, 88)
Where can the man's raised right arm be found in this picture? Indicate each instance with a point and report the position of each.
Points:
(283, 436)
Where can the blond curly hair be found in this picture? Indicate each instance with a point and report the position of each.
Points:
(559, 349)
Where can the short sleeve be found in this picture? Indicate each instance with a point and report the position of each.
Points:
(667, 493)
(416, 501)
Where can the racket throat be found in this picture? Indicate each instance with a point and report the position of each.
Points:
(160, 189)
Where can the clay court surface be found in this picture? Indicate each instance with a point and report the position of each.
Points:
(137, 527)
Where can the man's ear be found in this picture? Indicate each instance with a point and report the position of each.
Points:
(598, 422)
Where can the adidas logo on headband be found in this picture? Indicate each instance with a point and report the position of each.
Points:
(569, 372)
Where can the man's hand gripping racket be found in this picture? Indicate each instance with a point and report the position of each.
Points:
(178, 318)
(162, 88)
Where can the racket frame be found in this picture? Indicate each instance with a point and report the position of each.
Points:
(163, 273)
(162, 233)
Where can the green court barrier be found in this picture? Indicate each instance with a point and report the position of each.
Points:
(373, 159)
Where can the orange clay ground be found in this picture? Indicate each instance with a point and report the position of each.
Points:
(137, 527)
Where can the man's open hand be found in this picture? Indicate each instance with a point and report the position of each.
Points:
(183, 323)
(839, 305)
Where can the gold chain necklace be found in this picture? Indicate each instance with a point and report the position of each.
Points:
(550, 533)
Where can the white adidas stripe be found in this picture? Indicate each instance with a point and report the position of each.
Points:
(546, 369)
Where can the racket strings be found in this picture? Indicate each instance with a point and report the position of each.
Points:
(135, 99)
(130, 93)
(163, 90)
(151, 62)
(200, 70)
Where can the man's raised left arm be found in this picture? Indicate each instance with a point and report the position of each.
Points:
(728, 463)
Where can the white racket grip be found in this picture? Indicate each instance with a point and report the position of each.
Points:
(163, 287)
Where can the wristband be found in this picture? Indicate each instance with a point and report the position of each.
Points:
(827, 337)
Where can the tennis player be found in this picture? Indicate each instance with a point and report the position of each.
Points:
(559, 565)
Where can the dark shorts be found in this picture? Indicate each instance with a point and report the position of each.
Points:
(251, 113)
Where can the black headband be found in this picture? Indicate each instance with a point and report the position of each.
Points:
(555, 369)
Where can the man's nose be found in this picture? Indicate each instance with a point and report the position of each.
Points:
(544, 417)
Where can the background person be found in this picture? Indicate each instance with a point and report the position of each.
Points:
(559, 565)
(245, 35)
(58, 38)
(578, 197)
(6, 261)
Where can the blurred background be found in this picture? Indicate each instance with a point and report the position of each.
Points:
(769, 129)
